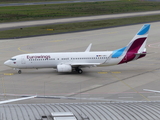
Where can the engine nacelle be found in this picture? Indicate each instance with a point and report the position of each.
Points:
(64, 68)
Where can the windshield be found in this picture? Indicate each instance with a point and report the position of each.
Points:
(13, 59)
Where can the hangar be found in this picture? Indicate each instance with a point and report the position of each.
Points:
(82, 111)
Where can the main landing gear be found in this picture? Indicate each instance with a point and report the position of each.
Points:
(79, 70)
(19, 71)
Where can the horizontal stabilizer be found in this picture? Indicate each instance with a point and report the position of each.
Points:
(140, 53)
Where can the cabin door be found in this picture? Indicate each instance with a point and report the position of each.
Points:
(23, 60)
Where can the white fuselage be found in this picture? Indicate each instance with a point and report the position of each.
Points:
(51, 60)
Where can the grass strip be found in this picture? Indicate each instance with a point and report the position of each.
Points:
(71, 27)
(50, 11)
(27, 1)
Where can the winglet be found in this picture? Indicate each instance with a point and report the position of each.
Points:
(88, 48)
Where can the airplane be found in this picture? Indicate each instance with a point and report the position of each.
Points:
(18, 99)
(74, 61)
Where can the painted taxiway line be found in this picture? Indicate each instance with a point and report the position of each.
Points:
(153, 96)
(57, 40)
(154, 45)
(63, 40)
(114, 72)
(126, 97)
(130, 87)
(8, 74)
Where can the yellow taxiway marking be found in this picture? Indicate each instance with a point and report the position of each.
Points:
(8, 74)
(23, 50)
(130, 87)
(114, 72)
(57, 40)
(111, 32)
(3, 85)
(19, 48)
(102, 72)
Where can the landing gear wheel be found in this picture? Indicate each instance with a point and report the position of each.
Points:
(79, 71)
(19, 71)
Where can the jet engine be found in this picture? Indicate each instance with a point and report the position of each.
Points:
(64, 68)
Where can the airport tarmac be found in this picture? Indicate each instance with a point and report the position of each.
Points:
(114, 83)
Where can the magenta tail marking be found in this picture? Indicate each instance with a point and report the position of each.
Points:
(131, 52)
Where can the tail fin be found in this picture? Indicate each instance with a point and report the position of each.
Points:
(138, 43)
(136, 47)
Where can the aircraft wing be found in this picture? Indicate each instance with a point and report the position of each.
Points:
(85, 64)
(18, 99)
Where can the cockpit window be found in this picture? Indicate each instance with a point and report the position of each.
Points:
(13, 59)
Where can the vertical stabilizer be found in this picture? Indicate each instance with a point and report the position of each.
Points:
(138, 43)
(136, 47)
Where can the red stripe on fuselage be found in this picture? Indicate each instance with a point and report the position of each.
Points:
(130, 55)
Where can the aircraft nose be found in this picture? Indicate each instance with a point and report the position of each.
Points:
(7, 63)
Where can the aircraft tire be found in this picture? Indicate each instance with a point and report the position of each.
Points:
(19, 71)
(80, 71)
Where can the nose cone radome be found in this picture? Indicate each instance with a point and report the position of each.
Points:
(7, 63)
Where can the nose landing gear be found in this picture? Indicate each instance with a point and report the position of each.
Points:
(19, 71)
